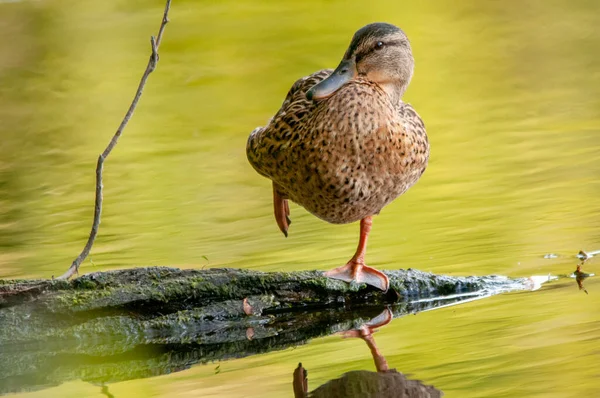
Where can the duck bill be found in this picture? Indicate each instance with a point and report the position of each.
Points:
(345, 72)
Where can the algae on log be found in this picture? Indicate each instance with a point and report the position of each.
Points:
(147, 290)
(134, 323)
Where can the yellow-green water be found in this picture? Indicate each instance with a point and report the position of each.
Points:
(510, 94)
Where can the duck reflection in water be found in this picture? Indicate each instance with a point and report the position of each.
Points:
(385, 383)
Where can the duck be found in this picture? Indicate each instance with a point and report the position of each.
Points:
(344, 144)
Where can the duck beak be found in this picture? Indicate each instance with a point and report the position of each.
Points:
(345, 72)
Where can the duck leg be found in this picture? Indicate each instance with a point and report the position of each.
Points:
(356, 269)
(282, 211)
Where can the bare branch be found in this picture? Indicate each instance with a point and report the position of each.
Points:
(155, 43)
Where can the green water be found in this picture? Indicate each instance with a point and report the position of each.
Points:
(510, 94)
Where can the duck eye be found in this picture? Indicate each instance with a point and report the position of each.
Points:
(379, 45)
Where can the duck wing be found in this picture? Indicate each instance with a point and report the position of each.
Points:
(265, 142)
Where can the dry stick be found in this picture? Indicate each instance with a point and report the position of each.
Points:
(155, 43)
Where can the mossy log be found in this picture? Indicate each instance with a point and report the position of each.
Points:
(134, 323)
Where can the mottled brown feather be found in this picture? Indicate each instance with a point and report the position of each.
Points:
(345, 157)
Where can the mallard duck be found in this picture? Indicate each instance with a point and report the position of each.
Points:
(344, 144)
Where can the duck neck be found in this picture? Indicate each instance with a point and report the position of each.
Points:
(395, 90)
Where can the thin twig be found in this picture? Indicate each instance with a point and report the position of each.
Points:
(155, 43)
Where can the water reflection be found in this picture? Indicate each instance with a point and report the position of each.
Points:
(104, 391)
(579, 274)
(384, 383)
(113, 354)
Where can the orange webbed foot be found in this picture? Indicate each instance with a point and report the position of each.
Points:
(361, 273)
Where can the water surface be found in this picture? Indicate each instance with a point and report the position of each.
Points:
(510, 94)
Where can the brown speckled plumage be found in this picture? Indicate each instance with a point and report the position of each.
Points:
(344, 144)
(343, 158)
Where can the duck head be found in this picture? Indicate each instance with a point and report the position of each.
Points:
(379, 53)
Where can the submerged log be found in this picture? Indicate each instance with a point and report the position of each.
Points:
(134, 323)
